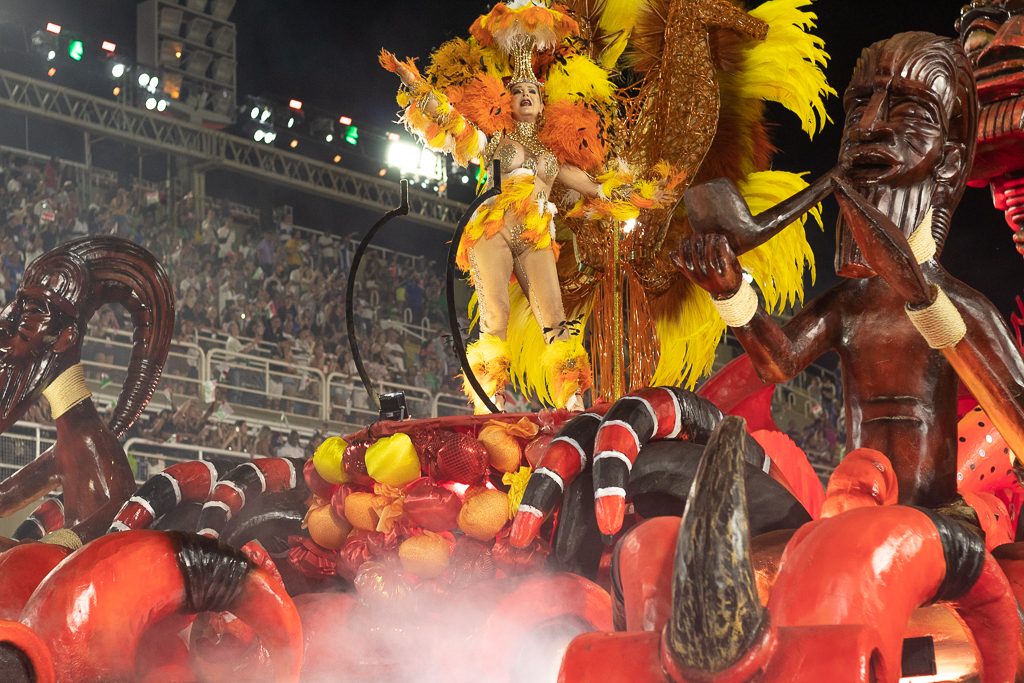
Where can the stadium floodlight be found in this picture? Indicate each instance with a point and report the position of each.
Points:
(198, 29)
(117, 69)
(270, 137)
(53, 28)
(223, 39)
(161, 105)
(150, 103)
(52, 71)
(108, 47)
(223, 71)
(345, 120)
(221, 8)
(258, 135)
(143, 79)
(413, 160)
(51, 55)
(76, 49)
(198, 62)
(170, 20)
(352, 135)
(295, 104)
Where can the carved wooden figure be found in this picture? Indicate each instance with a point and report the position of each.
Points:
(41, 333)
(907, 147)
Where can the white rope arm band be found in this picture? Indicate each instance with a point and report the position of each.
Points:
(922, 242)
(940, 323)
(738, 309)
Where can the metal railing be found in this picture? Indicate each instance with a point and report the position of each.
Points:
(21, 444)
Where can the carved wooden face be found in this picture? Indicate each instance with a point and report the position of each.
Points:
(895, 125)
(32, 335)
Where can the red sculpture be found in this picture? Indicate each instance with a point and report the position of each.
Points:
(992, 33)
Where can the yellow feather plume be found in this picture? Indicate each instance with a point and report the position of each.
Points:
(786, 67)
(488, 358)
(618, 17)
(778, 265)
(579, 80)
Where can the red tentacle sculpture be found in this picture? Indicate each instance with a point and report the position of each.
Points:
(94, 610)
(24, 657)
(182, 482)
(262, 475)
(22, 568)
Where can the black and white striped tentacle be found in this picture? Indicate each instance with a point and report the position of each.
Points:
(183, 482)
(47, 517)
(567, 456)
(262, 475)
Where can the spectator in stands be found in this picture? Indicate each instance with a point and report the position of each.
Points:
(291, 447)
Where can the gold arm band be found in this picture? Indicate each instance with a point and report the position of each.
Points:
(67, 391)
(739, 309)
(939, 323)
(921, 241)
(66, 538)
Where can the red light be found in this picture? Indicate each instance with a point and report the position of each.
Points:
(52, 71)
(393, 137)
(345, 120)
(109, 46)
(53, 28)
(295, 104)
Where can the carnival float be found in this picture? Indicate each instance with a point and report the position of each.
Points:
(666, 532)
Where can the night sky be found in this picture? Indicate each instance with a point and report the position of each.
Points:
(324, 53)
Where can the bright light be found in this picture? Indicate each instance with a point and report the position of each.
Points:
(258, 136)
(53, 28)
(295, 104)
(117, 69)
(393, 137)
(161, 105)
(629, 226)
(76, 50)
(413, 160)
(345, 120)
(270, 137)
(153, 82)
(255, 113)
(294, 143)
(465, 180)
(52, 71)
(329, 137)
(117, 91)
(265, 115)
(143, 79)
(51, 55)
(291, 121)
(337, 158)
(108, 46)
(151, 103)
(382, 172)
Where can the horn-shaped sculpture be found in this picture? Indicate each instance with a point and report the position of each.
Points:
(41, 334)
(717, 617)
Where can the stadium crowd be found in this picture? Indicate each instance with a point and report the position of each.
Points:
(274, 291)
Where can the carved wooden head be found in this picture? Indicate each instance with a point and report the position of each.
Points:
(41, 330)
(909, 137)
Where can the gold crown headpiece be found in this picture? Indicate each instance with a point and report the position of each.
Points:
(520, 60)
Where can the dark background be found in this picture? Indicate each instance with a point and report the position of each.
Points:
(324, 53)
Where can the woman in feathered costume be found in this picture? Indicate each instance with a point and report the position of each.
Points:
(695, 74)
(471, 114)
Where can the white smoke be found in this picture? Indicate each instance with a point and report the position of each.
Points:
(427, 636)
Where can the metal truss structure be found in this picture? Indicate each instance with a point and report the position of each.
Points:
(210, 149)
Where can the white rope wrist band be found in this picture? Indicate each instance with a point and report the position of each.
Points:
(67, 391)
(939, 323)
(740, 308)
(921, 241)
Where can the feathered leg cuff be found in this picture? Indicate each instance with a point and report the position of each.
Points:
(489, 360)
(567, 369)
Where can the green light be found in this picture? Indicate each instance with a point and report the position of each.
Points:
(351, 135)
(76, 50)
